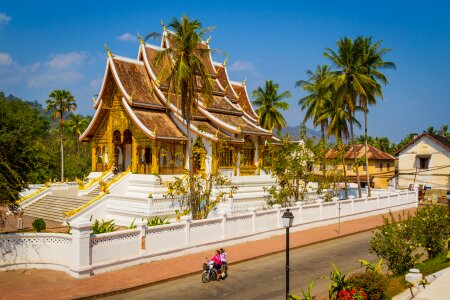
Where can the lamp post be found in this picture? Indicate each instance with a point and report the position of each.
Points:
(288, 219)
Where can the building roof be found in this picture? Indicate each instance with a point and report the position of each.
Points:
(227, 116)
(372, 153)
(443, 141)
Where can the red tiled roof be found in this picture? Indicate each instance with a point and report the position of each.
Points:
(243, 100)
(437, 138)
(372, 153)
(160, 122)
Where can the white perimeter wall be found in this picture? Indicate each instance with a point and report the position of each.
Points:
(84, 254)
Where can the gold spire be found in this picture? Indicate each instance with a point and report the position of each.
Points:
(217, 132)
(226, 88)
(93, 99)
(154, 131)
(208, 40)
(239, 127)
(163, 26)
(244, 82)
(108, 51)
(243, 107)
(140, 39)
(225, 61)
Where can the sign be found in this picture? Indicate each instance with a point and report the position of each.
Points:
(427, 187)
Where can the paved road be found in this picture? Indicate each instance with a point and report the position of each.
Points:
(264, 278)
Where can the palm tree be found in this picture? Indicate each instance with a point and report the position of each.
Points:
(431, 130)
(187, 77)
(443, 130)
(318, 93)
(371, 56)
(349, 82)
(76, 125)
(269, 102)
(60, 102)
(338, 118)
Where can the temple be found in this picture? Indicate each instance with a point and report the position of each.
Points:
(138, 125)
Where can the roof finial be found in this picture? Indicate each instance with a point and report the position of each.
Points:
(154, 131)
(93, 99)
(217, 132)
(140, 39)
(244, 82)
(108, 51)
(225, 61)
(208, 40)
(163, 26)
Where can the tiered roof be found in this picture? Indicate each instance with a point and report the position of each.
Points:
(372, 153)
(227, 116)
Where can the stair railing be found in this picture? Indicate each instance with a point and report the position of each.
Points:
(86, 189)
(104, 192)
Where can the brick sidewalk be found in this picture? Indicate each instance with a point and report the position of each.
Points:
(38, 284)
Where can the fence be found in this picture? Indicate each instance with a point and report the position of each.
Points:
(82, 253)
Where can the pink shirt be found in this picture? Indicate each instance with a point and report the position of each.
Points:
(216, 259)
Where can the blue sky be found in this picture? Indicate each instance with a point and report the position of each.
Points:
(46, 45)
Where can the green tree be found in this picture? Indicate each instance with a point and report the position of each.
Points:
(77, 124)
(318, 94)
(269, 103)
(290, 164)
(338, 126)
(350, 81)
(372, 62)
(431, 130)
(60, 102)
(21, 131)
(444, 131)
(187, 76)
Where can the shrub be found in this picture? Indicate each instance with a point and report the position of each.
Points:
(338, 282)
(431, 228)
(103, 227)
(351, 294)
(392, 241)
(372, 283)
(156, 221)
(39, 225)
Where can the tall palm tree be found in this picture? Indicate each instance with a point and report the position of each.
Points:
(350, 81)
(60, 102)
(318, 93)
(372, 61)
(77, 124)
(187, 77)
(339, 119)
(269, 103)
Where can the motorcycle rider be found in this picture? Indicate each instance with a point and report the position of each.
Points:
(217, 263)
(223, 259)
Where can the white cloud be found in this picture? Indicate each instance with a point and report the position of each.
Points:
(95, 84)
(65, 60)
(52, 79)
(5, 59)
(240, 66)
(4, 19)
(246, 67)
(127, 37)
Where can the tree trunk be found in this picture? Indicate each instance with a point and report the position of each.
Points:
(345, 171)
(365, 152)
(354, 156)
(62, 146)
(193, 197)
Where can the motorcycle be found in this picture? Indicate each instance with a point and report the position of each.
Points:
(209, 272)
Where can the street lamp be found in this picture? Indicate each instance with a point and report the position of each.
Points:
(288, 219)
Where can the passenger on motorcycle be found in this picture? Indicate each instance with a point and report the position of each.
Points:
(223, 259)
(217, 263)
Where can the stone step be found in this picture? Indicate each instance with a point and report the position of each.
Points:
(60, 202)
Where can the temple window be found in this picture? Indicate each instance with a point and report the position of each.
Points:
(179, 156)
(98, 154)
(248, 152)
(148, 155)
(127, 137)
(226, 157)
(116, 137)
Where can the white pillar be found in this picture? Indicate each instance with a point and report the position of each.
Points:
(209, 155)
(238, 169)
(187, 228)
(277, 207)
(256, 155)
(253, 211)
(81, 238)
(224, 224)
(300, 210)
(149, 206)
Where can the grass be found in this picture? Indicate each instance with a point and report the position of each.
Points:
(397, 283)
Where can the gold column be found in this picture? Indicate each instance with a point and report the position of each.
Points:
(155, 158)
(214, 158)
(94, 158)
(134, 155)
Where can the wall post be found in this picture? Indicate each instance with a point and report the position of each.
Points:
(81, 247)
(187, 228)
(277, 207)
